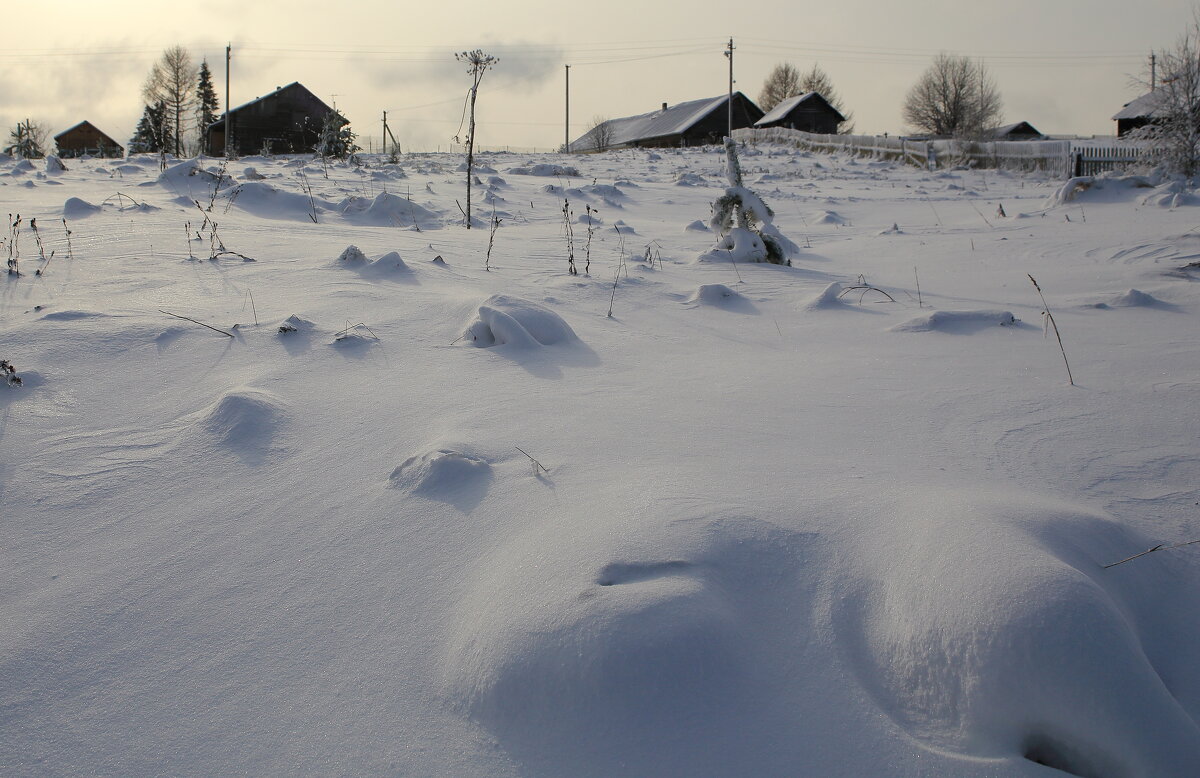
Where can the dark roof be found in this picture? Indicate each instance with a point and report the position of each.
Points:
(294, 86)
(663, 123)
(83, 123)
(1016, 128)
(813, 101)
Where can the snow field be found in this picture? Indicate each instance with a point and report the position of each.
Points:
(761, 520)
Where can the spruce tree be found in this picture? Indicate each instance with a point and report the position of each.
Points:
(152, 134)
(207, 105)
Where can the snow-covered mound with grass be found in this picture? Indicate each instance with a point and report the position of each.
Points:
(403, 498)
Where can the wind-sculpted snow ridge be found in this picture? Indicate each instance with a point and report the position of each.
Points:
(268, 202)
(188, 179)
(1133, 298)
(1038, 652)
(598, 648)
(389, 210)
(721, 296)
(510, 321)
(388, 265)
(77, 208)
(450, 474)
(829, 297)
(245, 421)
(544, 170)
(957, 321)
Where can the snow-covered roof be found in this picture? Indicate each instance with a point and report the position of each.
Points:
(1025, 128)
(1144, 107)
(786, 106)
(673, 120)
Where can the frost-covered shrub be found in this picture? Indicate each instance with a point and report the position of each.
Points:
(743, 222)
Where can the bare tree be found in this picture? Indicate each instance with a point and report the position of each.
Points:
(956, 96)
(600, 136)
(782, 82)
(479, 64)
(1174, 132)
(172, 81)
(817, 80)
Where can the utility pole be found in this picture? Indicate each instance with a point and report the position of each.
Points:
(1153, 72)
(567, 123)
(228, 128)
(385, 132)
(729, 54)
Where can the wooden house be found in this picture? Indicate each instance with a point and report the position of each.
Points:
(809, 112)
(286, 121)
(694, 123)
(85, 138)
(1018, 131)
(1140, 112)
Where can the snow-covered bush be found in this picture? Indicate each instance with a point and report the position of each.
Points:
(743, 222)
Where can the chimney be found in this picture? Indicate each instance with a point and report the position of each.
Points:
(664, 106)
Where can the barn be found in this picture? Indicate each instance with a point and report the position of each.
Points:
(286, 121)
(1019, 131)
(694, 123)
(809, 112)
(1138, 113)
(85, 138)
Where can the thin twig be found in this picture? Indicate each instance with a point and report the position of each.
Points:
(536, 464)
(1159, 547)
(1050, 318)
(202, 324)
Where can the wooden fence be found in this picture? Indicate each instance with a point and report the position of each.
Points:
(1058, 157)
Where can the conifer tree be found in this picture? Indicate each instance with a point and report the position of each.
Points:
(153, 132)
(337, 139)
(207, 105)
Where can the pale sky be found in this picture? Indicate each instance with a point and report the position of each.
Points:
(1062, 65)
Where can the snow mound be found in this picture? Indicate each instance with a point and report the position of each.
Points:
(697, 226)
(389, 210)
(389, 264)
(252, 174)
(510, 321)
(1103, 188)
(690, 179)
(268, 202)
(720, 296)
(956, 321)
(1134, 298)
(244, 420)
(743, 245)
(606, 192)
(54, 164)
(446, 475)
(22, 167)
(657, 637)
(544, 169)
(73, 315)
(353, 256)
(828, 217)
(1173, 194)
(76, 208)
(191, 180)
(296, 323)
(827, 298)
(979, 652)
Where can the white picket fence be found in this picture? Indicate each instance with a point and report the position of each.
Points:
(1058, 157)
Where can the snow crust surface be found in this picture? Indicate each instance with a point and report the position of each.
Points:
(403, 498)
